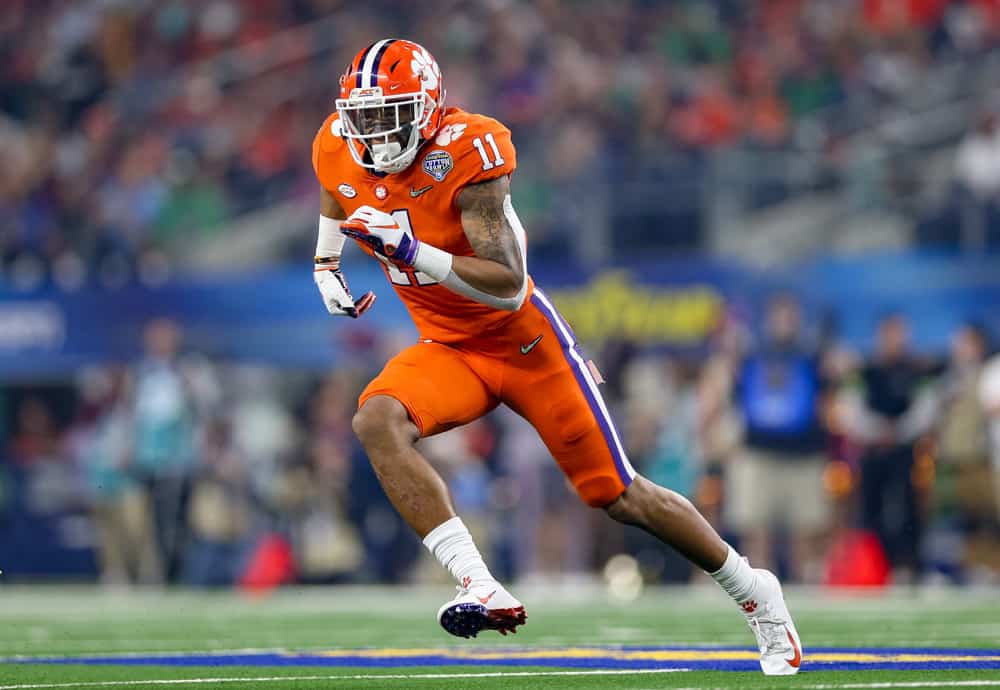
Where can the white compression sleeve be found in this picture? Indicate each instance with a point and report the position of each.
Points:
(454, 283)
(436, 263)
(329, 241)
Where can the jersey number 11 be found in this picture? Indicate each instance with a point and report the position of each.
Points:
(497, 158)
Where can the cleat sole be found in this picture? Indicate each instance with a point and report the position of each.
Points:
(468, 620)
(464, 620)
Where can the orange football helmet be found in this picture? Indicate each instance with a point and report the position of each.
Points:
(391, 101)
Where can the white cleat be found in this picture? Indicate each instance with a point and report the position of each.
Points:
(767, 614)
(482, 607)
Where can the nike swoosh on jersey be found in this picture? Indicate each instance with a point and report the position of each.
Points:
(525, 349)
(417, 192)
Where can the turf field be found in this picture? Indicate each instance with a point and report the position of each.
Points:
(575, 638)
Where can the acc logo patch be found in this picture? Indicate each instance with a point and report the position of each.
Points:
(347, 190)
(438, 163)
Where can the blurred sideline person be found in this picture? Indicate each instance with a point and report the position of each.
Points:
(426, 191)
(963, 507)
(170, 395)
(121, 509)
(775, 486)
(219, 513)
(163, 432)
(989, 396)
(890, 411)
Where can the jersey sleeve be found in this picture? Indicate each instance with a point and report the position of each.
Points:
(316, 149)
(486, 152)
(324, 148)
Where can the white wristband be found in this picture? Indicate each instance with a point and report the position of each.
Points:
(432, 261)
(330, 241)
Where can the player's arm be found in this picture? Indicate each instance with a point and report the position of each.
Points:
(495, 276)
(326, 268)
(498, 268)
(330, 208)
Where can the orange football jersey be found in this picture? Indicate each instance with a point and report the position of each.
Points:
(467, 149)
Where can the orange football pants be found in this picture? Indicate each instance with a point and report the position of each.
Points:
(532, 365)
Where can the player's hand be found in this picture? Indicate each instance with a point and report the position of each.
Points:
(337, 296)
(382, 233)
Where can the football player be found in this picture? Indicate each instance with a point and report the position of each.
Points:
(425, 190)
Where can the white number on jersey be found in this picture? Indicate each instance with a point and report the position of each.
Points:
(497, 158)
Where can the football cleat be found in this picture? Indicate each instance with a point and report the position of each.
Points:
(482, 607)
(771, 623)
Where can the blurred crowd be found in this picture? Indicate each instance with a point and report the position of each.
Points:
(829, 465)
(130, 129)
(969, 216)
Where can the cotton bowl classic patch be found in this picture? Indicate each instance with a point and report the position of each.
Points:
(438, 163)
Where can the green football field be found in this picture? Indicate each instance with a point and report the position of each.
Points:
(576, 637)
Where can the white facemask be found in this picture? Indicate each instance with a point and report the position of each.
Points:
(387, 155)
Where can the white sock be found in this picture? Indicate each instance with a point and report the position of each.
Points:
(452, 545)
(736, 577)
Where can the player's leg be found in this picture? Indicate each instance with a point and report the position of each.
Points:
(555, 389)
(414, 488)
(426, 389)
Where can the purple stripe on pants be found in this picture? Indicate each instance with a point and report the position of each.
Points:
(603, 420)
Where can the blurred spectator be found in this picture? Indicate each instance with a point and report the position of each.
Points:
(663, 442)
(122, 513)
(963, 511)
(220, 511)
(989, 396)
(977, 166)
(35, 438)
(164, 419)
(963, 436)
(720, 427)
(327, 545)
(541, 511)
(891, 410)
(969, 216)
(132, 126)
(315, 495)
(977, 170)
(41, 458)
(780, 391)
